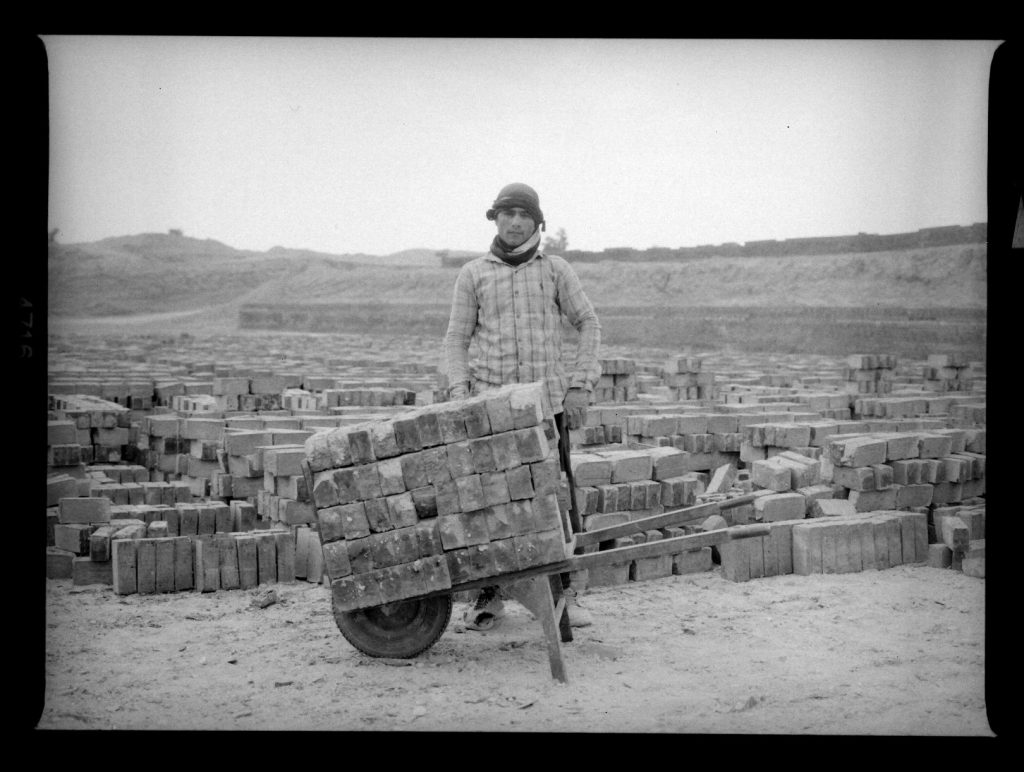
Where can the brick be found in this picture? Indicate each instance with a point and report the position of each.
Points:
(73, 537)
(83, 509)
(86, 571)
(145, 560)
(771, 475)
(883, 476)
(735, 557)
(913, 496)
(377, 516)
(315, 567)
(266, 557)
(471, 493)
(383, 442)
(428, 537)
(532, 444)
(692, 561)
(656, 567)
(939, 556)
(859, 478)
(755, 556)
(424, 501)
(390, 476)
(474, 413)
(954, 534)
(546, 476)
(830, 549)
(526, 405)
(857, 451)
(354, 592)
(428, 426)
(780, 506)
(407, 434)
(499, 411)
(452, 531)
(871, 501)
(807, 549)
(401, 511)
(452, 425)
(519, 481)
(123, 568)
(336, 559)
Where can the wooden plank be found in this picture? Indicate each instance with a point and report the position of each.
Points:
(664, 520)
(667, 546)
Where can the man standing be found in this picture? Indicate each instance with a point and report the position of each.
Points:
(510, 303)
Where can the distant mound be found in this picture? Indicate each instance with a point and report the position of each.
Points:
(170, 273)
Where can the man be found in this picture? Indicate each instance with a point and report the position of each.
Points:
(510, 303)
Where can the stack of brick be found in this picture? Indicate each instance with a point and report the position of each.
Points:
(284, 498)
(765, 439)
(947, 372)
(199, 403)
(437, 496)
(266, 392)
(65, 465)
(970, 414)
(957, 534)
(710, 440)
(904, 404)
(376, 396)
(299, 401)
(905, 470)
(615, 487)
(686, 380)
(829, 405)
(869, 373)
(792, 483)
(833, 545)
(108, 425)
(617, 382)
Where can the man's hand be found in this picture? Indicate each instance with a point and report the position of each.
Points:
(458, 391)
(575, 406)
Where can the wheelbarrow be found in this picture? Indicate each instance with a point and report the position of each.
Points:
(406, 628)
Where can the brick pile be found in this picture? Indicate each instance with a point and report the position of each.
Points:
(947, 372)
(438, 496)
(617, 382)
(687, 380)
(869, 373)
(901, 470)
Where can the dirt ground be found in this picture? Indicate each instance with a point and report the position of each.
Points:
(893, 652)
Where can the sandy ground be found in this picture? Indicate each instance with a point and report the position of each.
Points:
(894, 652)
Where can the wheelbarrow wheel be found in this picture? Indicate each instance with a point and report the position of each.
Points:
(401, 630)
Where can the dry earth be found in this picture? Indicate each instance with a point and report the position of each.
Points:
(883, 653)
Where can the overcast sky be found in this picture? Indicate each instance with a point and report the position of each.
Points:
(379, 145)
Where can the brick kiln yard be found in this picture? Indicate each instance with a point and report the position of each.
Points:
(862, 612)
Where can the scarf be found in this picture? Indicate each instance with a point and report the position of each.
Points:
(516, 255)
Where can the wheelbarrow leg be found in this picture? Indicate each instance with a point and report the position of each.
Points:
(558, 586)
(535, 593)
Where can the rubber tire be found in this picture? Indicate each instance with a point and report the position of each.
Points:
(397, 630)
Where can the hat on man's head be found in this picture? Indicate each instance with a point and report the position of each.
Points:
(521, 195)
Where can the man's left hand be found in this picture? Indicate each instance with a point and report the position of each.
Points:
(575, 406)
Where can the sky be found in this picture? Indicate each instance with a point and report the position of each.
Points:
(378, 145)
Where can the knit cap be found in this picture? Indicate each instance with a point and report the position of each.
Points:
(521, 195)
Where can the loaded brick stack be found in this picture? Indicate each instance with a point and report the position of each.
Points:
(437, 496)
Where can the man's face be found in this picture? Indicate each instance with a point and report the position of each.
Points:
(515, 225)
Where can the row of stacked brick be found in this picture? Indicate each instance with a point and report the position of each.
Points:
(438, 496)
(203, 546)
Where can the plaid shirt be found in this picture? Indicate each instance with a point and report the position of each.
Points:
(510, 318)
